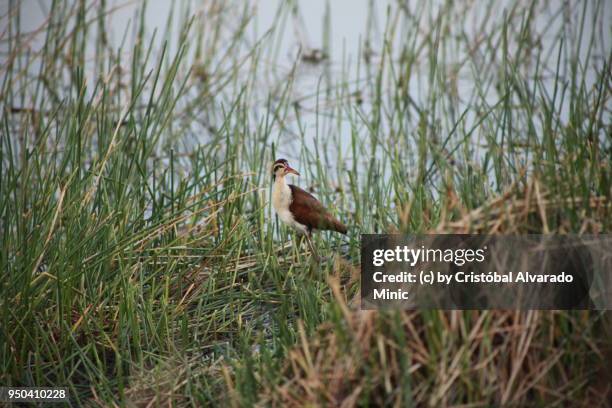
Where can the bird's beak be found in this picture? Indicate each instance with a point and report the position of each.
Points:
(290, 170)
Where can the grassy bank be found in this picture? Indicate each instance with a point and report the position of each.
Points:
(141, 262)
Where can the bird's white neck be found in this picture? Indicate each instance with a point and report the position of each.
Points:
(279, 181)
(281, 194)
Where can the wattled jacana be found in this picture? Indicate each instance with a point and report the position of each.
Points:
(298, 208)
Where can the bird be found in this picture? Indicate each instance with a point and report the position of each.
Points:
(299, 209)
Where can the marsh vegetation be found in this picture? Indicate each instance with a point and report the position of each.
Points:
(141, 262)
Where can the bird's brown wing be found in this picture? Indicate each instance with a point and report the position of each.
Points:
(308, 211)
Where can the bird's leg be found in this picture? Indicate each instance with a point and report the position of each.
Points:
(312, 248)
(300, 241)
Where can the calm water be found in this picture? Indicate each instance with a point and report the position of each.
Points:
(332, 91)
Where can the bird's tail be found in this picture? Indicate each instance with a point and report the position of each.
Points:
(336, 225)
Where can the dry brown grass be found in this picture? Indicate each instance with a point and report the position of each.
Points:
(457, 358)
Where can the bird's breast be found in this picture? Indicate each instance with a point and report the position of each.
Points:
(281, 200)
